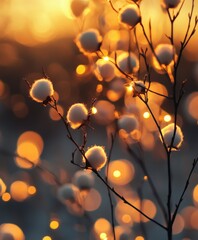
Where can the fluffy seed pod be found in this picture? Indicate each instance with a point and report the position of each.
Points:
(2, 187)
(128, 123)
(96, 157)
(105, 70)
(170, 3)
(138, 87)
(41, 89)
(167, 133)
(89, 41)
(68, 192)
(83, 180)
(128, 63)
(165, 53)
(78, 6)
(76, 115)
(129, 15)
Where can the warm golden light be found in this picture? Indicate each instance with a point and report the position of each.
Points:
(99, 88)
(195, 194)
(81, 69)
(92, 200)
(29, 147)
(11, 231)
(167, 118)
(54, 224)
(94, 110)
(19, 191)
(31, 190)
(54, 115)
(103, 236)
(2, 187)
(126, 218)
(102, 227)
(178, 225)
(116, 173)
(146, 115)
(106, 58)
(121, 171)
(46, 238)
(139, 238)
(145, 178)
(6, 197)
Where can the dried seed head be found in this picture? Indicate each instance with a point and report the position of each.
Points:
(41, 89)
(129, 15)
(96, 157)
(76, 115)
(167, 133)
(128, 63)
(170, 3)
(68, 192)
(84, 180)
(105, 70)
(129, 123)
(89, 41)
(165, 53)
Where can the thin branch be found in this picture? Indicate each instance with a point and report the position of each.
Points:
(109, 192)
(184, 190)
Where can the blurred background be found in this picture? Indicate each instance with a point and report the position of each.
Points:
(38, 37)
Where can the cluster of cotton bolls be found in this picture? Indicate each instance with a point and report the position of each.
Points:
(73, 194)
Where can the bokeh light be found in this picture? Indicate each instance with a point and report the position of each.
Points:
(120, 172)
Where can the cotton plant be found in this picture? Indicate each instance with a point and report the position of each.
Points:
(135, 68)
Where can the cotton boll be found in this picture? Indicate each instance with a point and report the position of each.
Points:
(129, 15)
(128, 123)
(105, 70)
(164, 53)
(76, 115)
(139, 87)
(41, 89)
(83, 180)
(78, 6)
(68, 192)
(96, 157)
(89, 41)
(170, 3)
(167, 133)
(2, 187)
(128, 63)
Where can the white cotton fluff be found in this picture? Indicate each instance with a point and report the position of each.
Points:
(96, 157)
(76, 115)
(129, 15)
(83, 180)
(138, 86)
(2, 187)
(128, 63)
(170, 3)
(128, 123)
(165, 53)
(105, 69)
(167, 133)
(89, 41)
(68, 192)
(78, 7)
(41, 89)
